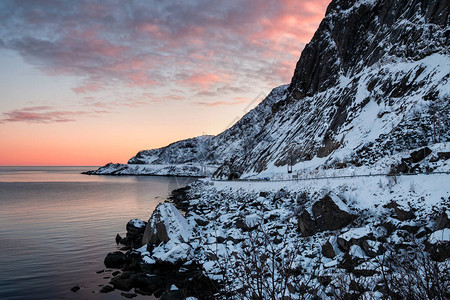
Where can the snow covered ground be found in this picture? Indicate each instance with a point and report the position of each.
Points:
(234, 222)
(184, 170)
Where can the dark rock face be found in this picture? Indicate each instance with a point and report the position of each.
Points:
(372, 251)
(345, 245)
(444, 155)
(118, 238)
(135, 231)
(400, 213)
(347, 44)
(121, 283)
(156, 235)
(179, 197)
(349, 262)
(106, 289)
(306, 224)
(327, 216)
(327, 250)
(115, 259)
(442, 221)
(420, 154)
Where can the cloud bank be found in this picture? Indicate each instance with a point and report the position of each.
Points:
(207, 48)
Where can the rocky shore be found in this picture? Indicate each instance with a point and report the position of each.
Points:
(328, 238)
(175, 277)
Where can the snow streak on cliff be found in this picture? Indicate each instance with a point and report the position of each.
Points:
(373, 82)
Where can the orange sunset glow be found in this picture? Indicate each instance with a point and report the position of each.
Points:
(93, 82)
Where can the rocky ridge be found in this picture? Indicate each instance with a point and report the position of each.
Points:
(373, 81)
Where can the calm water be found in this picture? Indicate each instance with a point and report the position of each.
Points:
(56, 226)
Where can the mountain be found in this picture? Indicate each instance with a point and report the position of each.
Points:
(372, 83)
(364, 130)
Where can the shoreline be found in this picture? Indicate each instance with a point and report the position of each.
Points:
(135, 175)
(223, 217)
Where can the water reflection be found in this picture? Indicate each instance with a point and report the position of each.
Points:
(57, 225)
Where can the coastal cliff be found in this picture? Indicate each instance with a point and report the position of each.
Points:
(343, 189)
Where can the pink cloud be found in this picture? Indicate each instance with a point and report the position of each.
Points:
(205, 80)
(44, 114)
(157, 43)
(87, 88)
(236, 101)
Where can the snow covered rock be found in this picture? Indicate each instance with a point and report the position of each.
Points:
(135, 229)
(372, 248)
(327, 214)
(355, 236)
(173, 253)
(401, 212)
(166, 223)
(438, 244)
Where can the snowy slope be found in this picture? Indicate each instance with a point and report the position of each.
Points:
(373, 82)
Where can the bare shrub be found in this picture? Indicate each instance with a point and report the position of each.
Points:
(265, 269)
(412, 274)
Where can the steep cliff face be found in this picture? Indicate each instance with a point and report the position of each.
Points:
(373, 81)
(356, 34)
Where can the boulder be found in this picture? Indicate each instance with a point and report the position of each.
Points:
(420, 154)
(355, 236)
(438, 244)
(306, 224)
(327, 214)
(280, 195)
(125, 281)
(401, 213)
(147, 283)
(135, 228)
(444, 155)
(372, 248)
(331, 214)
(107, 289)
(349, 262)
(330, 248)
(115, 259)
(173, 254)
(442, 221)
(249, 222)
(327, 250)
(201, 221)
(166, 223)
(118, 239)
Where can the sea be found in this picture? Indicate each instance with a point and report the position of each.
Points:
(57, 225)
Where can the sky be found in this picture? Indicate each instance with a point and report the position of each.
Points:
(92, 82)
